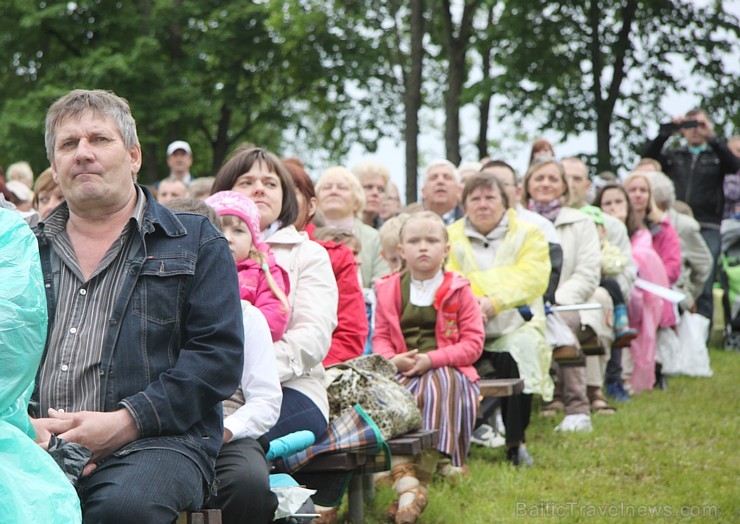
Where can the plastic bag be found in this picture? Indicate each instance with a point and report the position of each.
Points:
(557, 332)
(71, 457)
(32, 487)
(613, 261)
(691, 356)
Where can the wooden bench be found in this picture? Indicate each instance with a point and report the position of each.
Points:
(500, 387)
(205, 516)
(363, 465)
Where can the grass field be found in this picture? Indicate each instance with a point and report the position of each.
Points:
(666, 456)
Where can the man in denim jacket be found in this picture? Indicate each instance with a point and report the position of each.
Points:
(145, 330)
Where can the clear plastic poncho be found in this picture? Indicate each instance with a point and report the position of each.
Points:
(33, 489)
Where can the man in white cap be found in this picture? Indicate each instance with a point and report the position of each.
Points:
(179, 160)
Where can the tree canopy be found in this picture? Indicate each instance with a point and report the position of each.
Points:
(315, 77)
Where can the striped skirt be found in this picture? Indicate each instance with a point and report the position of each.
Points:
(448, 401)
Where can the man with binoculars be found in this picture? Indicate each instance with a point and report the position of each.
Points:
(697, 170)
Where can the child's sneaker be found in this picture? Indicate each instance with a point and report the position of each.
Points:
(486, 436)
(616, 391)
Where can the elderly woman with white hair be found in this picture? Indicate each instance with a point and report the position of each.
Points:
(696, 259)
(341, 200)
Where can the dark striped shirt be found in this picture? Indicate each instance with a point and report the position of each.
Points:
(70, 374)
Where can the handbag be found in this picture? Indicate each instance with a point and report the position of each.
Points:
(370, 381)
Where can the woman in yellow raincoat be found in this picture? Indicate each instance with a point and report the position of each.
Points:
(507, 263)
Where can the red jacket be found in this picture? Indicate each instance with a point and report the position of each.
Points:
(348, 339)
(459, 329)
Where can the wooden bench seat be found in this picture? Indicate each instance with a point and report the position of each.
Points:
(500, 387)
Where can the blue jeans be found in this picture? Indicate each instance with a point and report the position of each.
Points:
(296, 413)
(705, 302)
(149, 485)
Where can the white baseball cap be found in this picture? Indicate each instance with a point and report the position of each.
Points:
(179, 144)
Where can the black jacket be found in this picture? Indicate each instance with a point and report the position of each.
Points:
(698, 179)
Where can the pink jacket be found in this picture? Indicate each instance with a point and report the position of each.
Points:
(668, 247)
(254, 289)
(459, 330)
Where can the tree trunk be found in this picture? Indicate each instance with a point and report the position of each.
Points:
(457, 47)
(221, 144)
(605, 104)
(412, 99)
(485, 104)
(455, 81)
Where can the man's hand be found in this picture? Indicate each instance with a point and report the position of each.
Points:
(422, 364)
(101, 433)
(228, 435)
(405, 361)
(703, 125)
(44, 427)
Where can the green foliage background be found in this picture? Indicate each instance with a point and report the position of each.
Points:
(316, 77)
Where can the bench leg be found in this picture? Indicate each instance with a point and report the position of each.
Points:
(368, 487)
(356, 502)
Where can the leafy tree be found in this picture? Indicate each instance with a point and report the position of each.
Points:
(215, 73)
(605, 65)
(456, 41)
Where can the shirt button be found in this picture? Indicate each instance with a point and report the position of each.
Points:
(48, 285)
(83, 292)
(73, 330)
(65, 367)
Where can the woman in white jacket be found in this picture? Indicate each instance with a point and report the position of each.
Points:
(261, 176)
(545, 192)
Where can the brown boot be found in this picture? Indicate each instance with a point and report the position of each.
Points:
(412, 496)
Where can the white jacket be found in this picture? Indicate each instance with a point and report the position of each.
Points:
(581, 271)
(313, 314)
(259, 394)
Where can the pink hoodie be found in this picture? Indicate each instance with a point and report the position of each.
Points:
(459, 329)
(668, 247)
(254, 289)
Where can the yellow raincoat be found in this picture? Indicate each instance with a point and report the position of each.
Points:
(518, 277)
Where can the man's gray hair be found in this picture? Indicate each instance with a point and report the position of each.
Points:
(100, 103)
(663, 189)
(437, 163)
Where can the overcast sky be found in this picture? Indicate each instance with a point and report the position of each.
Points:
(431, 142)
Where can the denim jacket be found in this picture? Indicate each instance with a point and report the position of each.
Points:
(174, 346)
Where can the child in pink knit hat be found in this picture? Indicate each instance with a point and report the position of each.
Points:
(262, 282)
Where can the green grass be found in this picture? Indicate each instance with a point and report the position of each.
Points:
(663, 451)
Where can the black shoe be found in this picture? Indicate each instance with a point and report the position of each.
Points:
(519, 456)
(660, 380)
(512, 455)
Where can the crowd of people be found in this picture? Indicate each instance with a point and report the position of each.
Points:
(191, 322)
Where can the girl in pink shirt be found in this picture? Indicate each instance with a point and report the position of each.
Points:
(262, 282)
(428, 323)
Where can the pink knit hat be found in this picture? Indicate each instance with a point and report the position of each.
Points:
(233, 203)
